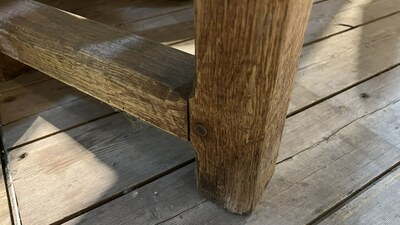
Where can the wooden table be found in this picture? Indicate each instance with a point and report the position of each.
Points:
(230, 102)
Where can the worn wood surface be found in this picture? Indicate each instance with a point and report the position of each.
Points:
(322, 72)
(165, 21)
(378, 205)
(327, 67)
(335, 16)
(320, 163)
(167, 29)
(297, 137)
(305, 97)
(246, 60)
(356, 10)
(320, 177)
(164, 24)
(121, 12)
(141, 77)
(297, 184)
(32, 109)
(24, 80)
(5, 213)
(104, 157)
(54, 120)
(10, 68)
(24, 102)
(327, 18)
(302, 132)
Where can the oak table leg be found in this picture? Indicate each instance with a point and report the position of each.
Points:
(247, 54)
(10, 68)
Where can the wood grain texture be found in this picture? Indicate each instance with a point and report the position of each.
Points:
(24, 80)
(246, 58)
(336, 116)
(335, 16)
(328, 18)
(10, 68)
(89, 164)
(329, 66)
(304, 188)
(167, 29)
(164, 21)
(5, 213)
(54, 120)
(152, 203)
(301, 132)
(121, 12)
(322, 18)
(327, 152)
(321, 72)
(27, 101)
(141, 77)
(378, 205)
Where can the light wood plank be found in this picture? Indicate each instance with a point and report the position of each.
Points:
(314, 181)
(150, 204)
(123, 12)
(378, 4)
(302, 131)
(167, 29)
(320, 122)
(323, 17)
(378, 205)
(329, 66)
(24, 102)
(53, 120)
(335, 16)
(143, 78)
(356, 139)
(162, 24)
(5, 213)
(372, 47)
(88, 164)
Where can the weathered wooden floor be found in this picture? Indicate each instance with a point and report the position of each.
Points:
(70, 159)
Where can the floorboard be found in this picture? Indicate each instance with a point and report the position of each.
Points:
(168, 29)
(328, 18)
(5, 214)
(341, 61)
(319, 58)
(378, 205)
(90, 164)
(172, 21)
(22, 81)
(347, 58)
(310, 85)
(73, 155)
(336, 16)
(306, 184)
(26, 101)
(54, 120)
(344, 60)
